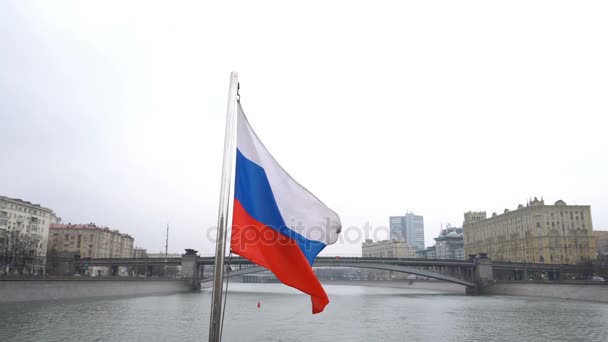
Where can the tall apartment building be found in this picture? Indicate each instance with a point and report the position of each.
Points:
(410, 228)
(89, 241)
(535, 233)
(24, 231)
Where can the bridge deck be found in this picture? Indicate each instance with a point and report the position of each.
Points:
(336, 261)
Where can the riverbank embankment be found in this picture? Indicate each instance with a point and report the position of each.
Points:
(586, 292)
(30, 289)
(589, 292)
(403, 284)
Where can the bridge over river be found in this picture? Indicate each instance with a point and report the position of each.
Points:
(475, 273)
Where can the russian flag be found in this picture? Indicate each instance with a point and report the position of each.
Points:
(277, 223)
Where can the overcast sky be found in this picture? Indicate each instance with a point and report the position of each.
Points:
(113, 112)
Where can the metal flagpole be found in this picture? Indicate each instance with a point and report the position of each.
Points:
(224, 217)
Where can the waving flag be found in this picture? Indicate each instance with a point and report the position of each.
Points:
(277, 223)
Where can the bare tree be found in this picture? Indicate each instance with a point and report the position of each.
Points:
(18, 251)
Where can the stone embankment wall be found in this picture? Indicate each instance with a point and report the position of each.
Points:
(596, 293)
(403, 284)
(65, 288)
(588, 291)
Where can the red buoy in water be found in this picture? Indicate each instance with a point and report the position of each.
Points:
(258, 304)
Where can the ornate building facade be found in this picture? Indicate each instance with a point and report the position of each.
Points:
(448, 245)
(535, 233)
(89, 241)
(387, 249)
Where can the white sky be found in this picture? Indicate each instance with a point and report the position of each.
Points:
(113, 111)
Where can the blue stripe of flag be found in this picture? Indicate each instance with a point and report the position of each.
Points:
(253, 190)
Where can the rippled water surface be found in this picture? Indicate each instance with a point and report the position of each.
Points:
(355, 313)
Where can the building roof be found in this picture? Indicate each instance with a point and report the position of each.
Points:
(532, 204)
(25, 203)
(87, 226)
(369, 242)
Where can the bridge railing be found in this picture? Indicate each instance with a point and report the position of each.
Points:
(401, 261)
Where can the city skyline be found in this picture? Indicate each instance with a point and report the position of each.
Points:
(121, 122)
(385, 232)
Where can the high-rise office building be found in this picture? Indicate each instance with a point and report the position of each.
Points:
(410, 228)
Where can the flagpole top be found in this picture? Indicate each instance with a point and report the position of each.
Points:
(234, 77)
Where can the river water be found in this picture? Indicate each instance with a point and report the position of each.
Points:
(356, 313)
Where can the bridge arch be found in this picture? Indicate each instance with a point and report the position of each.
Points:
(376, 266)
